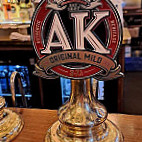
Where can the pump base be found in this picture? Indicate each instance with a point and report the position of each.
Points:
(10, 125)
(106, 132)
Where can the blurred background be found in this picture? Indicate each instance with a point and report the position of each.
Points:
(16, 54)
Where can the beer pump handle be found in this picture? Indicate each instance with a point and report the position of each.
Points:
(12, 86)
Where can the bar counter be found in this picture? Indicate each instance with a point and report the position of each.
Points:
(37, 122)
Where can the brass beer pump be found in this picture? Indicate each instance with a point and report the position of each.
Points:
(83, 118)
(11, 123)
(78, 39)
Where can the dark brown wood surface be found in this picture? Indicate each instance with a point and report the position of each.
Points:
(121, 59)
(37, 122)
(15, 45)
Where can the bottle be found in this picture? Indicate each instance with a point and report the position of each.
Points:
(1, 12)
(31, 8)
(14, 13)
(24, 15)
(3, 81)
(6, 8)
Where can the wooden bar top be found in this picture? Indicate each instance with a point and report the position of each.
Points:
(37, 122)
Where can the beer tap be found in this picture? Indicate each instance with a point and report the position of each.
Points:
(12, 86)
(11, 123)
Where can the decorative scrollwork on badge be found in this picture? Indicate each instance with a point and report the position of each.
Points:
(59, 4)
(110, 70)
(92, 5)
(54, 5)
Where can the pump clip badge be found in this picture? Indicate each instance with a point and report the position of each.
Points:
(76, 39)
